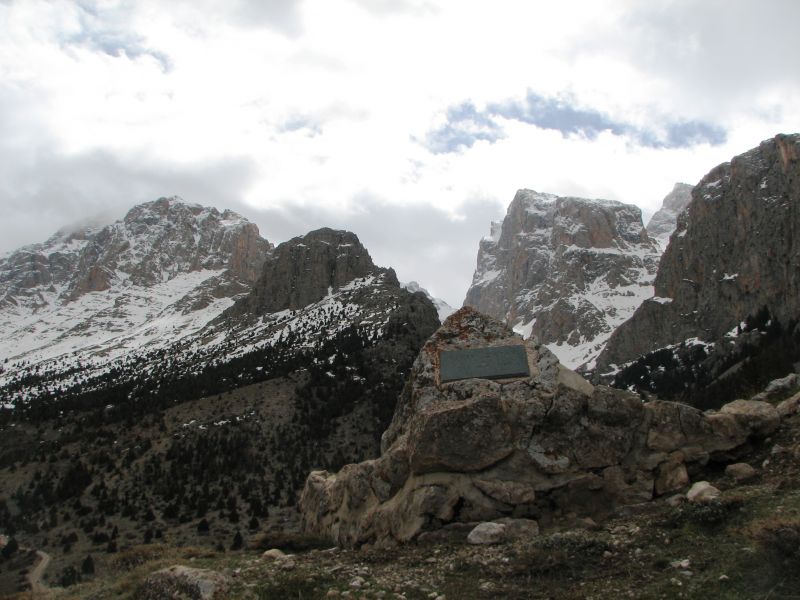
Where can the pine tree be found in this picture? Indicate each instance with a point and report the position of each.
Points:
(87, 567)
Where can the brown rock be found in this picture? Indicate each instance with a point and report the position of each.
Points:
(760, 418)
(740, 472)
(672, 476)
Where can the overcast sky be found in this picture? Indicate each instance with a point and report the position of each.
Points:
(410, 122)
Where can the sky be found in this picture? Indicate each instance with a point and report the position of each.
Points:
(410, 122)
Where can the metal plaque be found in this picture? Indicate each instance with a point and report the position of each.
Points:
(497, 362)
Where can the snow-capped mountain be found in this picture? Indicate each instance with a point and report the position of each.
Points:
(442, 307)
(664, 221)
(159, 274)
(567, 270)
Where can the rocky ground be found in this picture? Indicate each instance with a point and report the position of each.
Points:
(742, 544)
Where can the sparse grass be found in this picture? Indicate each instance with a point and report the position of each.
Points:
(289, 542)
(295, 587)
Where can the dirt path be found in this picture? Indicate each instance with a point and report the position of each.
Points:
(39, 589)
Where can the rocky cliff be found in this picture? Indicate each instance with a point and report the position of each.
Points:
(521, 451)
(735, 251)
(664, 221)
(566, 270)
(306, 269)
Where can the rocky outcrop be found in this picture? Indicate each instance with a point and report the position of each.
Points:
(183, 582)
(735, 251)
(566, 270)
(306, 269)
(533, 447)
(664, 221)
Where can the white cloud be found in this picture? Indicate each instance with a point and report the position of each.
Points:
(323, 104)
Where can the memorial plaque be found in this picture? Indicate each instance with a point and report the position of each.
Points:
(497, 362)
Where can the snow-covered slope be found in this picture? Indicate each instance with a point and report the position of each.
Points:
(141, 333)
(567, 270)
(163, 271)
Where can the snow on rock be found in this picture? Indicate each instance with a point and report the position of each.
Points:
(565, 270)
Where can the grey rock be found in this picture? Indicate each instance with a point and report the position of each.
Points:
(702, 491)
(183, 582)
(305, 269)
(487, 533)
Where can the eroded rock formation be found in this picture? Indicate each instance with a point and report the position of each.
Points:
(535, 447)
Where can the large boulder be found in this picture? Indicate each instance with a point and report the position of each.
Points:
(533, 447)
(184, 583)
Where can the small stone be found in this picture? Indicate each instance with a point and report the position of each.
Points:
(332, 594)
(680, 564)
(723, 577)
(487, 533)
(288, 564)
(273, 554)
(607, 554)
(676, 500)
(486, 586)
(740, 472)
(357, 583)
(702, 491)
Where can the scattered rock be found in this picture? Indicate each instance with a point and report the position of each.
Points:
(740, 472)
(789, 406)
(273, 554)
(183, 582)
(488, 533)
(519, 529)
(702, 491)
(676, 500)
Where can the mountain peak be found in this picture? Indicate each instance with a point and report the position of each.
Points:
(566, 270)
(307, 268)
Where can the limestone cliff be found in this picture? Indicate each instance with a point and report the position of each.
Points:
(566, 270)
(306, 269)
(736, 250)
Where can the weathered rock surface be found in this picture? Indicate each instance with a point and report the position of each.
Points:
(183, 583)
(664, 221)
(702, 491)
(740, 472)
(533, 447)
(566, 270)
(487, 533)
(306, 269)
(735, 251)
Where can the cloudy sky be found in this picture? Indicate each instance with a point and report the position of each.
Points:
(410, 122)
